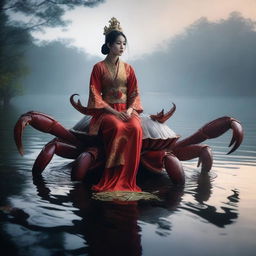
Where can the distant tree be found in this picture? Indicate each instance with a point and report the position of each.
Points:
(10, 85)
(15, 36)
(57, 68)
(13, 43)
(43, 13)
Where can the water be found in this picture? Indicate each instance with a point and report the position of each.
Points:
(212, 215)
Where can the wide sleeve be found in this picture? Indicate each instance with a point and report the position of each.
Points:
(133, 97)
(95, 101)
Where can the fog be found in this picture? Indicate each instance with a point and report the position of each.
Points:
(208, 59)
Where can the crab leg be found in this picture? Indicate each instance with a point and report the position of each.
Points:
(43, 123)
(192, 151)
(214, 129)
(174, 169)
(90, 159)
(155, 161)
(53, 147)
(81, 166)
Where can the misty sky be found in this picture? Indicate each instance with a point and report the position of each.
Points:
(183, 47)
(148, 24)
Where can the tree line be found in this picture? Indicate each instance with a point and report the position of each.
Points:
(209, 58)
(16, 36)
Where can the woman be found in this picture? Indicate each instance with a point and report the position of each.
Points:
(114, 103)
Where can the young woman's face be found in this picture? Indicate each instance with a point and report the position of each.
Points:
(118, 47)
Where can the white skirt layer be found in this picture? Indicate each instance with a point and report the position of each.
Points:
(155, 130)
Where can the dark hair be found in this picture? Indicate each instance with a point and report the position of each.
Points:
(110, 39)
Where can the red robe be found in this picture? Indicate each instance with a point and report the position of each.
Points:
(117, 88)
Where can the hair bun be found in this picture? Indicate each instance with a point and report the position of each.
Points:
(104, 49)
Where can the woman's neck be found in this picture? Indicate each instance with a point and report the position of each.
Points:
(113, 59)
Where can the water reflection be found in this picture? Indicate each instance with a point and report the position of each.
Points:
(203, 189)
(202, 193)
(106, 228)
(111, 228)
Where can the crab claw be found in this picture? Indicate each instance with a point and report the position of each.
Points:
(161, 117)
(77, 105)
(215, 129)
(238, 135)
(18, 131)
(43, 123)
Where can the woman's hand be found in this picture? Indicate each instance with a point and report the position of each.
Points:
(123, 116)
(129, 111)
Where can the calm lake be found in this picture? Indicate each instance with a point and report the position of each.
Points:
(213, 214)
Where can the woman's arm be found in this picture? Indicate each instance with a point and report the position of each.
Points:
(125, 116)
(133, 97)
(95, 101)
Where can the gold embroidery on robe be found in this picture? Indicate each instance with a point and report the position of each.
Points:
(114, 86)
(116, 156)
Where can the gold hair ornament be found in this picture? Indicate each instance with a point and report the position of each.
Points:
(114, 24)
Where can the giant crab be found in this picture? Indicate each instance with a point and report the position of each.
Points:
(161, 149)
